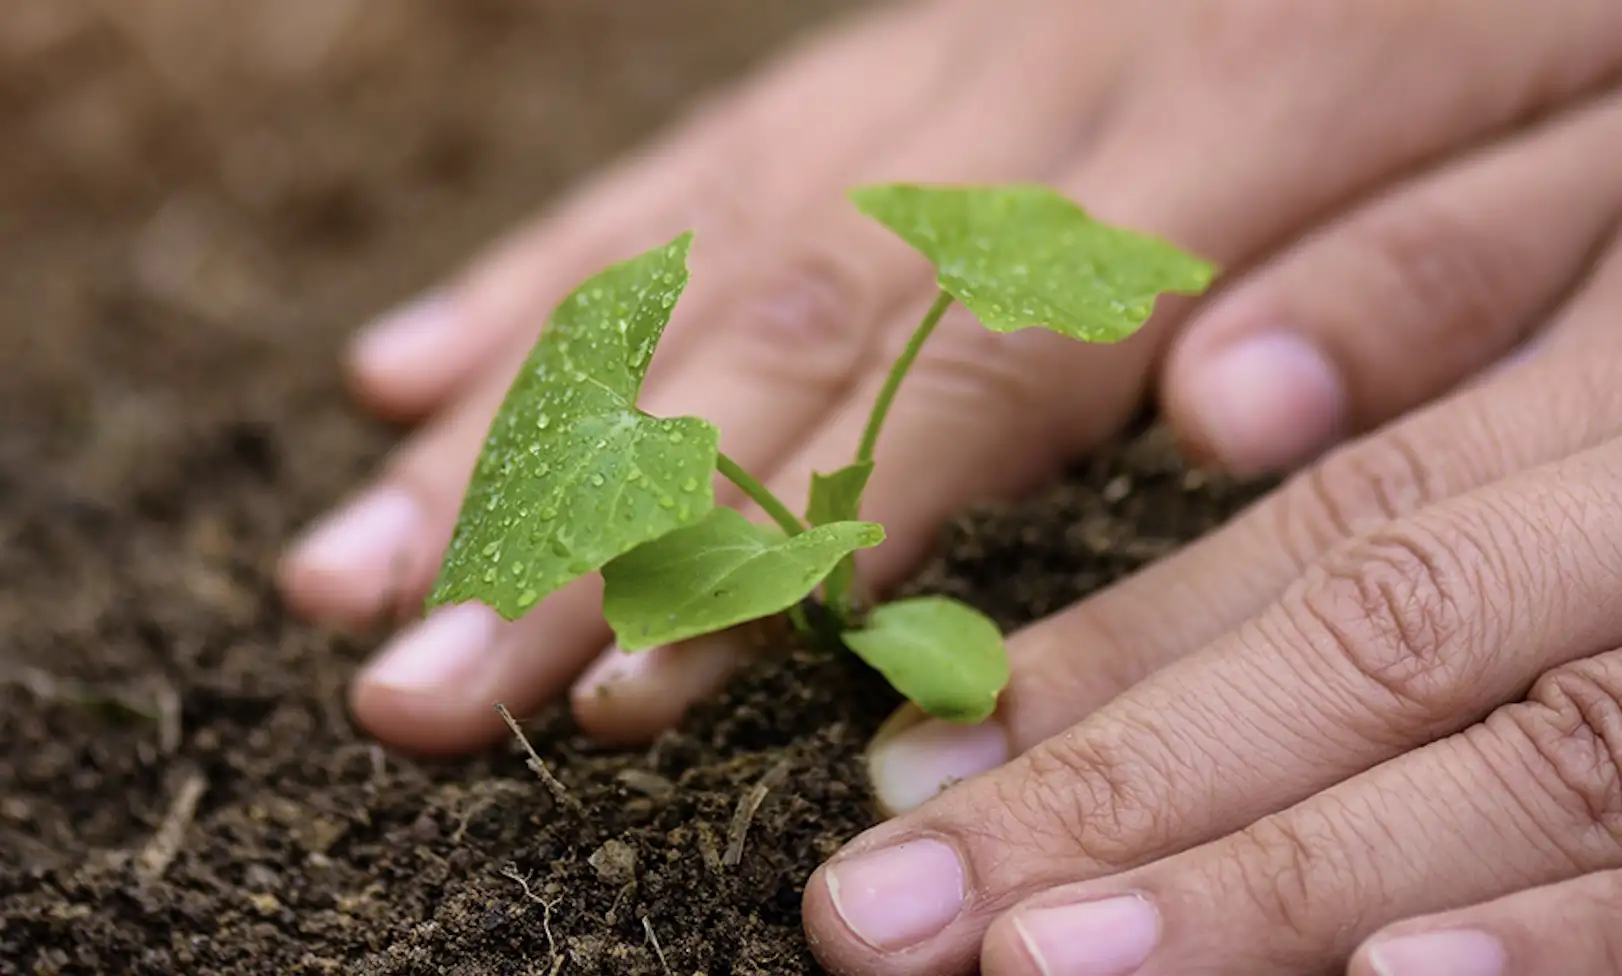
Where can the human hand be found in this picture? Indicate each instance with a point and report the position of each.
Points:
(1311, 132)
(1386, 725)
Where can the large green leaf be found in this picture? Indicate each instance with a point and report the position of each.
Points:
(718, 573)
(1020, 256)
(945, 656)
(572, 474)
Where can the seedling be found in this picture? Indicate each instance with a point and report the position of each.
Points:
(574, 478)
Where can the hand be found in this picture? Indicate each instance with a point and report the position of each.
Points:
(1315, 133)
(1388, 714)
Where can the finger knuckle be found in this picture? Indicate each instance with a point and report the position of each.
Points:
(1571, 727)
(1356, 488)
(1290, 869)
(1392, 611)
(1450, 276)
(991, 378)
(1096, 797)
(1275, 869)
(810, 318)
(1240, 43)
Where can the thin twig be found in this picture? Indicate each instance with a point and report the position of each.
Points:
(647, 926)
(165, 845)
(748, 806)
(559, 791)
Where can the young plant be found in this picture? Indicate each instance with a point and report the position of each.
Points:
(574, 478)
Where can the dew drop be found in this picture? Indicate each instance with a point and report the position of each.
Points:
(543, 469)
(547, 514)
(665, 501)
(528, 598)
(676, 437)
(691, 484)
(492, 549)
(597, 480)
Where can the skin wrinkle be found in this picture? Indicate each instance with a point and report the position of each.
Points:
(1506, 746)
(1114, 824)
(1387, 608)
(1585, 699)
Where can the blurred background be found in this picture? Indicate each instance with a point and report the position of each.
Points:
(201, 198)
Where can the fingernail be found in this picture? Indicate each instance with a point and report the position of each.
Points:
(898, 896)
(363, 538)
(1113, 937)
(447, 654)
(1463, 952)
(911, 766)
(405, 338)
(1270, 402)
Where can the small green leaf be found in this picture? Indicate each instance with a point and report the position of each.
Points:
(837, 497)
(572, 474)
(946, 656)
(1020, 256)
(723, 571)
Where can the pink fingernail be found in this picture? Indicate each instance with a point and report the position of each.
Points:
(404, 339)
(363, 539)
(1463, 952)
(898, 896)
(1270, 402)
(910, 767)
(447, 654)
(1113, 937)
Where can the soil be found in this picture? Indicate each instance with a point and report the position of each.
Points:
(191, 217)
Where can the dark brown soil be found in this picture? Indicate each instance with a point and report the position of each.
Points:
(181, 251)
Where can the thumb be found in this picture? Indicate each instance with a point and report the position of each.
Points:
(1399, 300)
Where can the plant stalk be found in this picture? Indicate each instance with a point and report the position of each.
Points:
(837, 591)
(762, 496)
(898, 372)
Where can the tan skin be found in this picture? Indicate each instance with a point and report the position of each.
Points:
(1402, 193)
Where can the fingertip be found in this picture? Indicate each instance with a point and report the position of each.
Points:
(913, 758)
(1259, 404)
(406, 362)
(344, 568)
(432, 689)
(629, 698)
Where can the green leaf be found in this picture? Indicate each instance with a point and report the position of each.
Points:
(723, 571)
(572, 474)
(837, 497)
(946, 656)
(1019, 256)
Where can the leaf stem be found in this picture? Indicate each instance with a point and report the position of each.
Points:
(761, 495)
(898, 371)
(836, 592)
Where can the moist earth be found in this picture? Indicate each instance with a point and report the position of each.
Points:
(193, 213)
